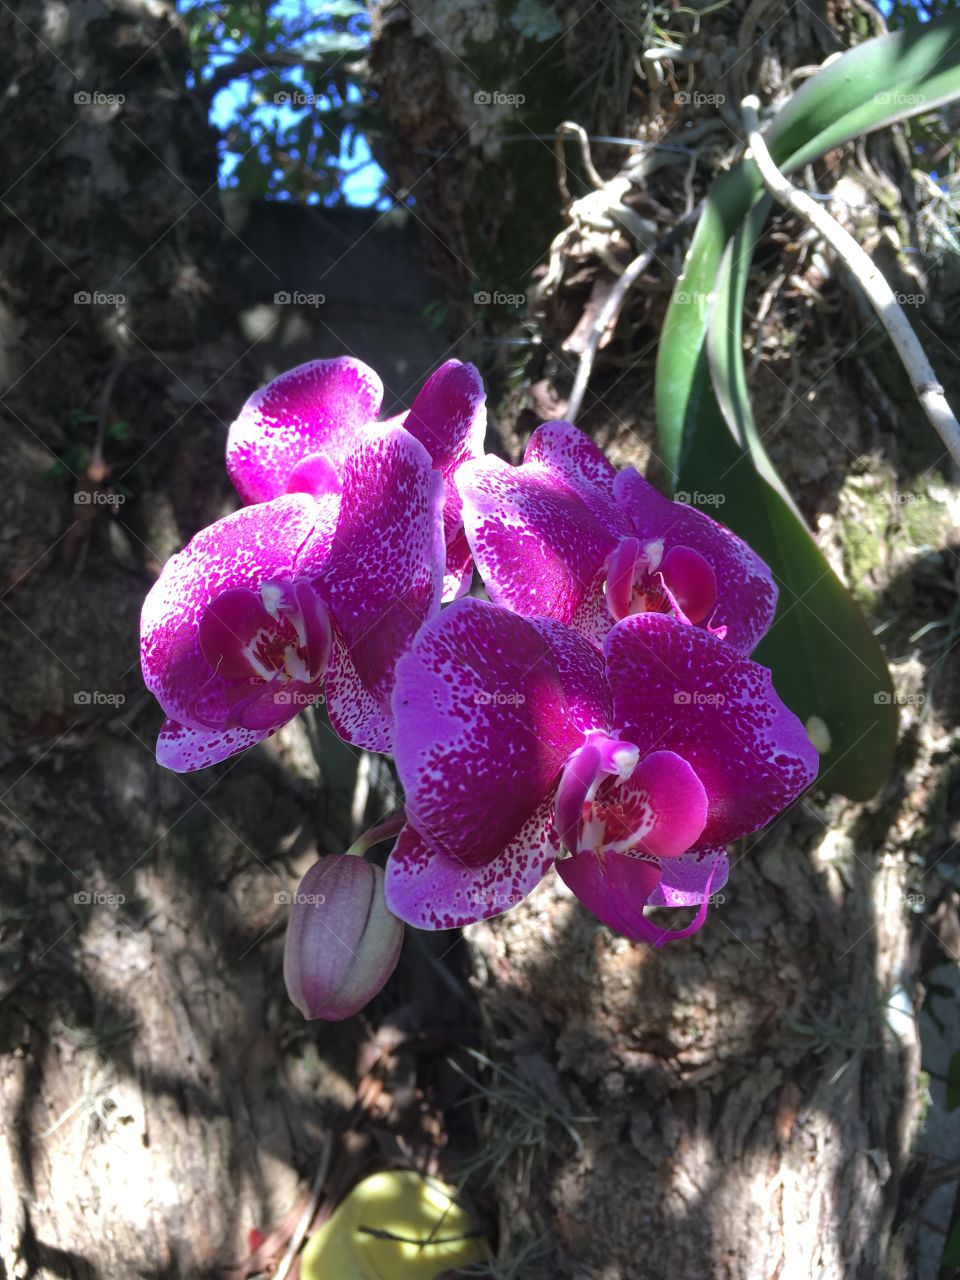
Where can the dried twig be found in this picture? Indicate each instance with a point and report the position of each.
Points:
(610, 310)
(303, 1226)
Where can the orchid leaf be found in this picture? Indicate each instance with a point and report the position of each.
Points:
(826, 663)
(825, 659)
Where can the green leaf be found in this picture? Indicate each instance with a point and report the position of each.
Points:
(825, 661)
(914, 70)
(953, 1082)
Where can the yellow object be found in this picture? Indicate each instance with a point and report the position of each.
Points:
(394, 1226)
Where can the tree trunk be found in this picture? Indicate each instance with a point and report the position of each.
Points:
(743, 1104)
(149, 1119)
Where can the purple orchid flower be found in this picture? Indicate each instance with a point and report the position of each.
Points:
(296, 598)
(565, 536)
(519, 743)
(294, 434)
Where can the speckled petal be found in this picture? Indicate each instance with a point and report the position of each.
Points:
(684, 880)
(315, 408)
(538, 546)
(241, 550)
(434, 890)
(183, 749)
(746, 592)
(571, 456)
(449, 416)
(458, 574)
(383, 577)
(489, 706)
(678, 688)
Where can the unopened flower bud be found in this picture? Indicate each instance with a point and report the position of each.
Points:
(342, 943)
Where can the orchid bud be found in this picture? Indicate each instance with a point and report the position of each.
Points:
(342, 943)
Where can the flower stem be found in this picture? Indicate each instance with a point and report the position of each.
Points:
(382, 831)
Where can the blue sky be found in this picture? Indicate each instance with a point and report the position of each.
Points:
(362, 185)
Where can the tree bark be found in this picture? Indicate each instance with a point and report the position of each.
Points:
(745, 1102)
(149, 1119)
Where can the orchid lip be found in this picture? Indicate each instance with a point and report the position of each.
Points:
(264, 643)
(643, 577)
(611, 801)
(599, 757)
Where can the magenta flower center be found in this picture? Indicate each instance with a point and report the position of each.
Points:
(272, 647)
(611, 801)
(642, 578)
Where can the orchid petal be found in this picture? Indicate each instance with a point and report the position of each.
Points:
(691, 581)
(435, 890)
(667, 788)
(245, 549)
(685, 879)
(615, 887)
(488, 707)
(383, 577)
(315, 408)
(746, 593)
(449, 417)
(678, 688)
(538, 546)
(571, 456)
(315, 475)
(184, 749)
